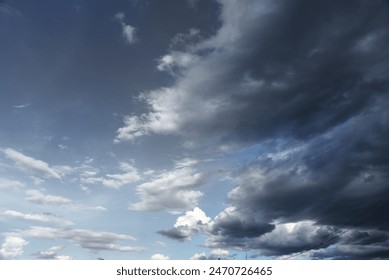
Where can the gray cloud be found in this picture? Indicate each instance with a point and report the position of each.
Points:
(275, 69)
(307, 83)
(92, 240)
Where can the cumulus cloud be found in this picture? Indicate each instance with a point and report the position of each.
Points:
(12, 247)
(92, 240)
(159, 257)
(215, 254)
(128, 31)
(172, 190)
(192, 222)
(27, 163)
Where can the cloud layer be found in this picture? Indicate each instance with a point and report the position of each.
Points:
(307, 83)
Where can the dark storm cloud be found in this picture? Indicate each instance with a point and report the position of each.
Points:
(176, 234)
(276, 68)
(233, 226)
(311, 78)
(339, 180)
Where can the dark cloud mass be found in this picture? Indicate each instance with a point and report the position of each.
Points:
(307, 80)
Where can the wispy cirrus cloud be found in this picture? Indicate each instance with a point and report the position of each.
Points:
(44, 217)
(28, 163)
(10, 184)
(91, 240)
(39, 197)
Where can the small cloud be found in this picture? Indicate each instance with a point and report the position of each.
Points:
(199, 256)
(52, 254)
(128, 31)
(63, 147)
(119, 17)
(21, 106)
(128, 175)
(8, 10)
(10, 184)
(159, 257)
(12, 247)
(192, 222)
(160, 243)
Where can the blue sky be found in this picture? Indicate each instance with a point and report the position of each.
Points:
(193, 129)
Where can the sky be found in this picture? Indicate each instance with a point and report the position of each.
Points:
(194, 129)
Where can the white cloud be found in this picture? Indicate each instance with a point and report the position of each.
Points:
(28, 163)
(192, 222)
(199, 256)
(12, 247)
(172, 190)
(46, 217)
(119, 16)
(182, 40)
(64, 258)
(220, 252)
(63, 147)
(21, 106)
(37, 181)
(129, 175)
(134, 127)
(193, 219)
(186, 162)
(159, 257)
(160, 243)
(36, 196)
(92, 240)
(10, 184)
(214, 255)
(176, 60)
(52, 254)
(128, 31)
